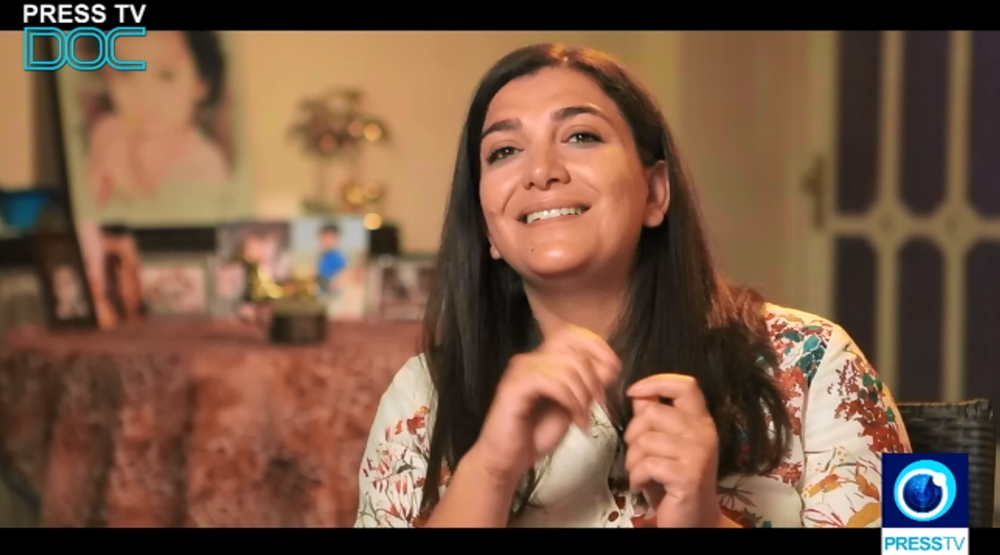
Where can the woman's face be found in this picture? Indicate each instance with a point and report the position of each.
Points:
(553, 141)
(162, 99)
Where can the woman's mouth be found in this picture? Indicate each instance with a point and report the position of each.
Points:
(553, 213)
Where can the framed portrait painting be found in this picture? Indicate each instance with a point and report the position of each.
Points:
(164, 147)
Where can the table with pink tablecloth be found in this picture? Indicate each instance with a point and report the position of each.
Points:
(198, 423)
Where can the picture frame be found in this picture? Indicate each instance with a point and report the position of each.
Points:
(178, 285)
(399, 286)
(241, 247)
(63, 279)
(185, 163)
(20, 298)
(333, 252)
(111, 257)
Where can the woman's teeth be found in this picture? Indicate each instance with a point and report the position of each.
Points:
(545, 214)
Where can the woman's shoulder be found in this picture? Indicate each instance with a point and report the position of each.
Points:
(404, 410)
(823, 371)
(411, 387)
(804, 341)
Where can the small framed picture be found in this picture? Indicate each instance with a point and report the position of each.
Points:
(399, 286)
(66, 291)
(20, 299)
(177, 284)
(111, 257)
(244, 247)
(333, 253)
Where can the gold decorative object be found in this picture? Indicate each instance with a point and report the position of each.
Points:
(372, 221)
(301, 290)
(357, 196)
(333, 128)
(260, 287)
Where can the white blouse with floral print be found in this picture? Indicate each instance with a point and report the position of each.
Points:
(843, 419)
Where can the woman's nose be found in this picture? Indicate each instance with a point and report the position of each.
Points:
(546, 169)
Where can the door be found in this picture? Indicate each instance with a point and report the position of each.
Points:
(901, 208)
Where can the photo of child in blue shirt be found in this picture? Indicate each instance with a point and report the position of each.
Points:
(331, 260)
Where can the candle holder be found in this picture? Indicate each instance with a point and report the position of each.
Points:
(298, 322)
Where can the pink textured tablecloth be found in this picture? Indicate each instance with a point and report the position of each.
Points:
(194, 423)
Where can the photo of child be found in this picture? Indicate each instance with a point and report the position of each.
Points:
(331, 260)
(157, 146)
(249, 254)
(71, 300)
(63, 280)
(333, 252)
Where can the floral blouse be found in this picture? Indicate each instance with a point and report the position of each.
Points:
(843, 419)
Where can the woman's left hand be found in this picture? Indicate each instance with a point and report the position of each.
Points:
(673, 452)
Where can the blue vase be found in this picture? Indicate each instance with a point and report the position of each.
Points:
(19, 209)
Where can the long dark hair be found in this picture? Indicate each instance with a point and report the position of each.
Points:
(681, 316)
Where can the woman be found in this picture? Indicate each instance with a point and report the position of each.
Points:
(584, 364)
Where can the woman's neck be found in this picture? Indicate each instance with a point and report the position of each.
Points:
(595, 310)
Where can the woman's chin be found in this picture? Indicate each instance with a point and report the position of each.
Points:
(558, 267)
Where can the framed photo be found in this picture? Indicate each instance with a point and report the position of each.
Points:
(333, 253)
(242, 246)
(66, 291)
(146, 151)
(177, 285)
(20, 299)
(400, 286)
(111, 257)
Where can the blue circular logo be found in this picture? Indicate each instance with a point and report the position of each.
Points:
(925, 490)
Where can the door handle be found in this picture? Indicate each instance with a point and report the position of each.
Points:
(814, 185)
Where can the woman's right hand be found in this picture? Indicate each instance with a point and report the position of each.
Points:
(539, 396)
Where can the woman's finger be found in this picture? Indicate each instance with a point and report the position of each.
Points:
(591, 345)
(587, 367)
(559, 382)
(532, 384)
(653, 416)
(658, 445)
(569, 370)
(669, 473)
(682, 390)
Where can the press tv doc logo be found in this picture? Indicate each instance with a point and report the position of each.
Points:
(929, 505)
(129, 16)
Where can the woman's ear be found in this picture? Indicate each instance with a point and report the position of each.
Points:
(658, 182)
(494, 252)
(201, 92)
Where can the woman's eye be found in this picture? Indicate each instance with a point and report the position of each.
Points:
(583, 137)
(500, 153)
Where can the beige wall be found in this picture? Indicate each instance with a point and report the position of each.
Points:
(728, 96)
(17, 133)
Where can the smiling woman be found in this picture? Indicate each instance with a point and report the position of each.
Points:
(585, 365)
